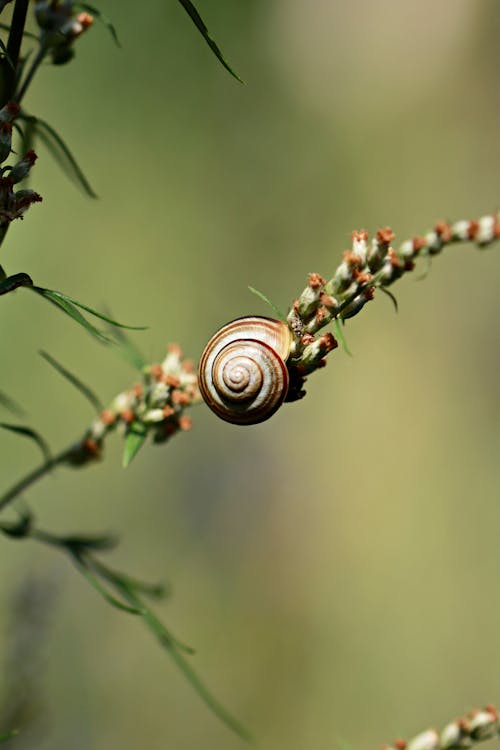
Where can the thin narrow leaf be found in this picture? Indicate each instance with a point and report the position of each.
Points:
(134, 440)
(14, 282)
(19, 528)
(165, 639)
(273, 307)
(198, 22)
(340, 335)
(91, 311)
(8, 403)
(97, 585)
(60, 151)
(32, 435)
(129, 351)
(27, 34)
(102, 18)
(76, 382)
(391, 297)
(67, 307)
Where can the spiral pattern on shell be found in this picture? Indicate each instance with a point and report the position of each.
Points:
(243, 375)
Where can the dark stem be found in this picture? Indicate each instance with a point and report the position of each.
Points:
(33, 477)
(10, 66)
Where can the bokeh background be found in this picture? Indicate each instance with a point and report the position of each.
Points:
(336, 568)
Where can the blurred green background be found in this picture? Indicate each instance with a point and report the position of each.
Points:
(337, 567)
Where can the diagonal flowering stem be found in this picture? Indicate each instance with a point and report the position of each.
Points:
(363, 269)
(476, 726)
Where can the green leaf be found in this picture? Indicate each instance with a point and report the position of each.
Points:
(102, 18)
(169, 643)
(19, 528)
(8, 403)
(27, 34)
(340, 335)
(134, 440)
(60, 151)
(76, 382)
(96, 314)
(32, 435)
(391, 297)
(14, 282)
(96, 584)
(9, 735)
(273, 307)
(198, 22)
(129, 351)
(69, 308)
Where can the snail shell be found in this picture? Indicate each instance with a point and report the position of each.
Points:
(243, 375)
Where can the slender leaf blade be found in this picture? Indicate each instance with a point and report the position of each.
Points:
(273, 307)
(32, 435)
(86, 392)
(9, 404)
(60, 151)
(96, 314)
(102, 18)
(198, 22)
(69, 308)
(134, 440)
(340, 335)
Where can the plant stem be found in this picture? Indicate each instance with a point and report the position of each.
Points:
(37, 60)
(33, 476)
(13, 50)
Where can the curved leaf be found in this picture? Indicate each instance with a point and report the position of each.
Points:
(198, 22)
(102, 18)
(60, 151)
(32, 435)
(76, 382)
(69, 308)
(9, 404)
(273, 307)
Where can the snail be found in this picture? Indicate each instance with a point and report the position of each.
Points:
(243, 376)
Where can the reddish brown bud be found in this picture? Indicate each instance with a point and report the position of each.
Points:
(473, 229)
(180, 398)
(315, 281)
(156, 371)
(327, 342)
(174, 349)
(185, 423)
(107, 417)
(418, 244)
(171, 380)
(443, 230)
(359, 236)
(91, 448)
(352, 260)
(85, 19)
(385, 235)
(137, 390)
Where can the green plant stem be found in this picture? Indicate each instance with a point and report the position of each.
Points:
(33, 476)
(37, 60)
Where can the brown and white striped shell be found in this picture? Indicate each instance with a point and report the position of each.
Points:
(243, 375)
